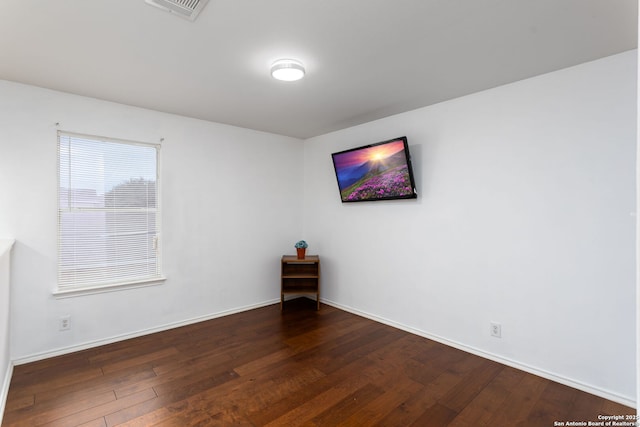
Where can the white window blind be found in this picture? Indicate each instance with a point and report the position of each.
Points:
(107, 212)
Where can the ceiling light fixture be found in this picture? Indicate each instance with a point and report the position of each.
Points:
(288, 70)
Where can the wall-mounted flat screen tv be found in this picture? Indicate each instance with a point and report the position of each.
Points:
(380, 171)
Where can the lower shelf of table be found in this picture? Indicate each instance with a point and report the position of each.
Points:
(300, 291)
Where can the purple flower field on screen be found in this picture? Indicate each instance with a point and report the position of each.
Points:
(391, 183)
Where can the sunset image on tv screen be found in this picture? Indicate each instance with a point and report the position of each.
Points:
(375, 172)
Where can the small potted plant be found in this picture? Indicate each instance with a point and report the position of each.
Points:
(301, 248)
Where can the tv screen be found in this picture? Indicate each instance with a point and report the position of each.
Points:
(380, 171)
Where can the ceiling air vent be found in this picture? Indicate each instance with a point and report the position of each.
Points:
(188, 9)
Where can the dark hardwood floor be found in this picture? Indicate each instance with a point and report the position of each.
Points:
(301, 367)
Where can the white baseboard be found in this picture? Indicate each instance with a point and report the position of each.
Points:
(624, 400)
(605, 394)
(4, 391)
(98, 343)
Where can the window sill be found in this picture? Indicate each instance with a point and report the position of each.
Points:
(91, 290)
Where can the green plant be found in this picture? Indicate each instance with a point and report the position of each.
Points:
(301, 244)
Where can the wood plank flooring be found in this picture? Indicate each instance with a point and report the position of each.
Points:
(302, 367)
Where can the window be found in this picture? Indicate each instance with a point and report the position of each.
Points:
(108, 213)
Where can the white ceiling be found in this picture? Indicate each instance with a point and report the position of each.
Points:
(365, 59)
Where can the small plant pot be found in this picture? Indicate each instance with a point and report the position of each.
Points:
(301, 252)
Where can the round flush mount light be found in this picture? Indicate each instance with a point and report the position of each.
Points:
(288, 70)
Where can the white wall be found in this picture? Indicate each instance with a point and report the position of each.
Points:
(6, 367)
(638, 232)
(231, 206)
(524, 217)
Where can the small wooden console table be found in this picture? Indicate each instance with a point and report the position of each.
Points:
(300, 276)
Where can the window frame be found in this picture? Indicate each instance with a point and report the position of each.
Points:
(65, 291)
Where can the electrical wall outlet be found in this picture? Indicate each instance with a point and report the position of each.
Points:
(64, 323)
(496, 329)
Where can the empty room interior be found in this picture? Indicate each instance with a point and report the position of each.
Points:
(155, 169)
